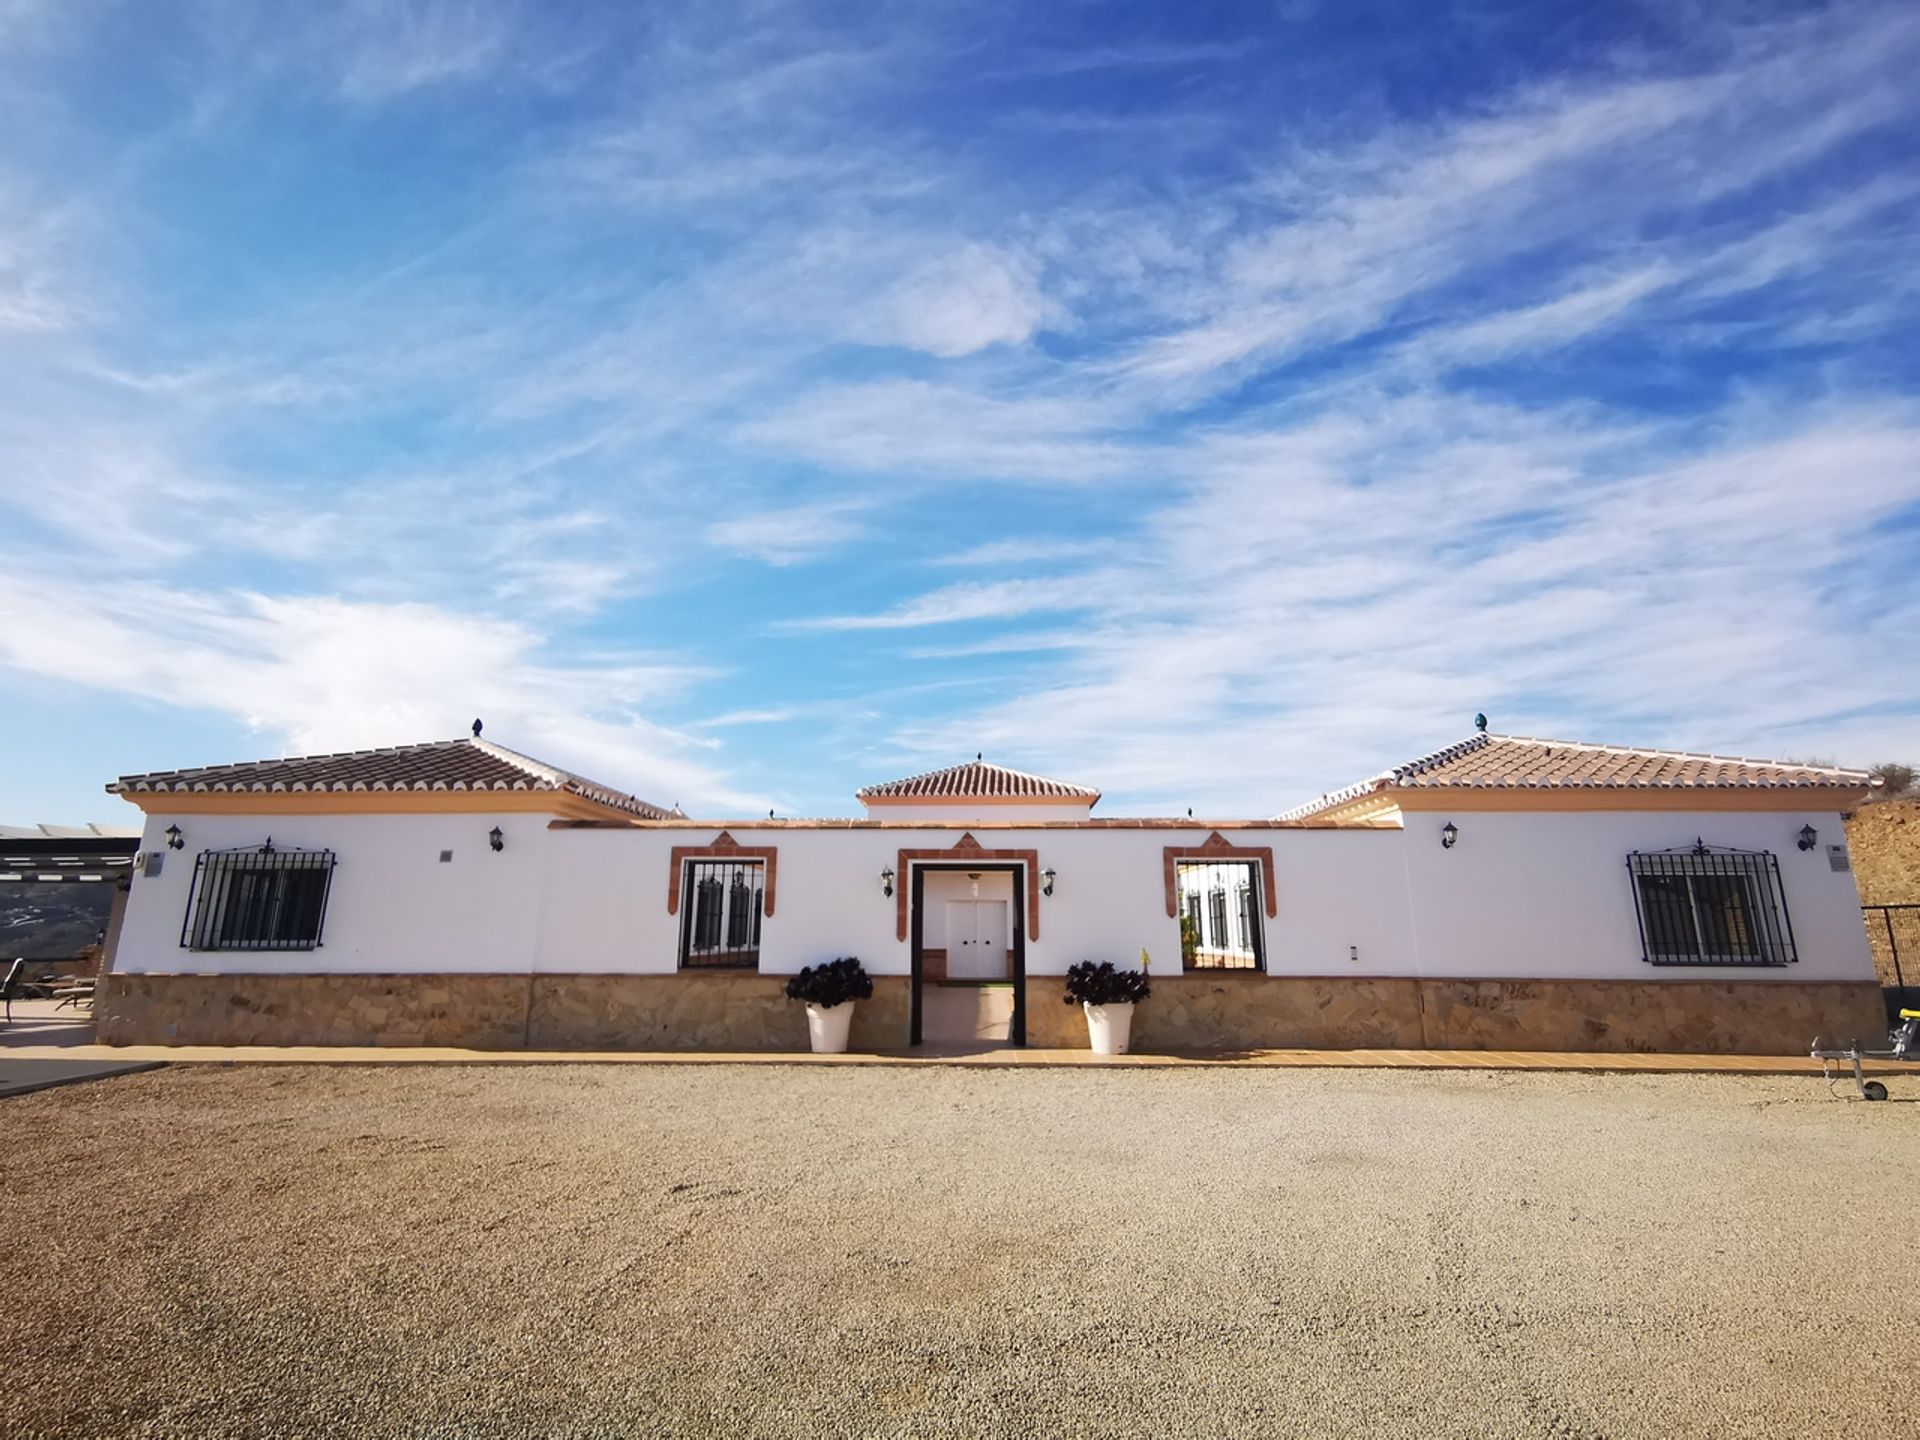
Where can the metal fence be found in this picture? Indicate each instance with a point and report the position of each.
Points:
(1707, 906)
(1894, 933)
(720, 921)
(258, 899)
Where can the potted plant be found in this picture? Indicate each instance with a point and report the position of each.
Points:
(829, 991)
(1108, 996)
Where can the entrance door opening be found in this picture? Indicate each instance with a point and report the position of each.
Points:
(969, 953)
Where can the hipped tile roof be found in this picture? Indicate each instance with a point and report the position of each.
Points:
(976, 780)
(1522, 762)
(463, 764)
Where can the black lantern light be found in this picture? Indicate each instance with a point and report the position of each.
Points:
(886, 882)
(1046, 881)
(175, 839)
(1449, 833)
(496, 839)
(1808, 835)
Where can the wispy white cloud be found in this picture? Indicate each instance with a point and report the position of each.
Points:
(318, 674)
(958, 303)
(951, 604)
(389, 47)
(790, 535)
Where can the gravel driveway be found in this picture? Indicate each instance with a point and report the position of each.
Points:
(617, 1250)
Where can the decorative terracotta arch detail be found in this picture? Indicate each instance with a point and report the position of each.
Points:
(1215, 847)
(966, 848)
(724, 847)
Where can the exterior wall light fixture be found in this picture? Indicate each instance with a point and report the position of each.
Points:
(496, 839)
(886, 882)
(1046, 881)
(1449, 833)
(1808, 837)
(175, 839)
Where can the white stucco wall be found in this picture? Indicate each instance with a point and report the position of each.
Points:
(1522, 895)
(1338, 890)
(1547, 895)
(393, 905)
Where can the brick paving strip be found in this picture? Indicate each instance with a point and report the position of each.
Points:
(1004, 1057)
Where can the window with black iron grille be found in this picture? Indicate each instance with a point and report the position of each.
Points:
(1220, 927)
(1709, 906)
(720, 921)
(260, 898)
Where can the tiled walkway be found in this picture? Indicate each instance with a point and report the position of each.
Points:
(41, 1034)
(1009, 1057)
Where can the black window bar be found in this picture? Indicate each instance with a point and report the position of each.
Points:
(720, 923)
(1223, 920)
(1707, 905)
(258, 898)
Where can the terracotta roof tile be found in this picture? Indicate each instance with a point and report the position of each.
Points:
(464, 764)
(976, 780)
(1521, 762)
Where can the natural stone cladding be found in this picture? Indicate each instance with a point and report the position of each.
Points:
(684, 1011)
(694, 1011)
(482, 1012)
(749, 1011)
(1244, 1012)
(1238, 1012)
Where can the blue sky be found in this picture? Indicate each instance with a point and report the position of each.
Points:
(741, 403)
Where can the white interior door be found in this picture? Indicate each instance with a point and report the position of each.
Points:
(977, 939)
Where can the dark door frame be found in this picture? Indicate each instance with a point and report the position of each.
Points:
(916, 895)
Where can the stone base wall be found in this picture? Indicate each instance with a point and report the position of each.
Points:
(686, 1011)
(478, 1012)
(1244, 1012)
(1255, 1012)
(693, 1011)
(1699, 1017)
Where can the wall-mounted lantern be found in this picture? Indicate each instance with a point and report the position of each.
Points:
(1449, 833)
(1808, 837)
(496, 839)
(175, 839)
(1046, 881)
(886, 882)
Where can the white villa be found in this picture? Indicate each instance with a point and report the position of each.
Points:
(1503, 892)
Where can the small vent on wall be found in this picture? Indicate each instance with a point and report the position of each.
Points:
(151, 862)
(445, 856)
(1837, 857)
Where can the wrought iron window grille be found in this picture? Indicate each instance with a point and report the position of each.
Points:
(1702, 904)
(1217, 902)
(258, 898)
(720, 919)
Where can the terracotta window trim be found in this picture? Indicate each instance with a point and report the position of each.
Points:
(722, 847)
(1215, 847)
(966, 848)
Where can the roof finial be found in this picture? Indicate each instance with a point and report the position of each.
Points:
(476, 729)
(1479, 723)
(978, 756)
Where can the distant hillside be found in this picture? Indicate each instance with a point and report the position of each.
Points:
(51, 922)
(1884, 840)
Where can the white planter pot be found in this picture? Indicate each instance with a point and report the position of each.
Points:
(827, 1027)
(1108, 1027)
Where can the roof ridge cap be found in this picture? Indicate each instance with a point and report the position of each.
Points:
(978, 763)
(295, 759)
(1654, 751)
(539, 769)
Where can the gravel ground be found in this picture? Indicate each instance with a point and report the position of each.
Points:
(592, 1250)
